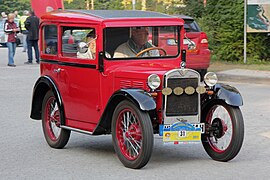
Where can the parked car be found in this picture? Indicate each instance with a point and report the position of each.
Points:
(198, 57)
(132, 97)
(19, 38)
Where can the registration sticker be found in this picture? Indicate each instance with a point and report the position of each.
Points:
(181, 132)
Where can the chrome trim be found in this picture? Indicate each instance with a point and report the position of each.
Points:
(77, 130)
(181, 73)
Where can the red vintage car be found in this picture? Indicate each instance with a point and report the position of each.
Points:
(100, 73)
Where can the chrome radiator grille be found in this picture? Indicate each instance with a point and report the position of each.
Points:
(182, 105)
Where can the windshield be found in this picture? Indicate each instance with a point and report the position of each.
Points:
(191, 26)
(144, 42)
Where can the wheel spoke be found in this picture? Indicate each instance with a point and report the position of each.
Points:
(223, 123)
(134, 149)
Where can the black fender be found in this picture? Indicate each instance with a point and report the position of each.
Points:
(143, 100)
(42, 86)
(230, 95)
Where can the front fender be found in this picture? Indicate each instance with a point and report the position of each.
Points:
(143, 99)
(140, 98)
(228, 94)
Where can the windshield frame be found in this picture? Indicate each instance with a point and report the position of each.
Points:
(178, 30)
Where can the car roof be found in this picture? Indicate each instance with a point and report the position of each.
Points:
(119, 14)
(185, 17)
(112, 18)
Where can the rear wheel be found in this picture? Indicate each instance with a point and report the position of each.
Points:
(132, 135)
(55, 136)
(225, 131)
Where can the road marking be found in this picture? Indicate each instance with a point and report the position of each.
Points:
(266, 134)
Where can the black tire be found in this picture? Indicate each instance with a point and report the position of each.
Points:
(229, 150)
(139, 123)
(48, 120)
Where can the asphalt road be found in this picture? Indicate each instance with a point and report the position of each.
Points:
(24, 154)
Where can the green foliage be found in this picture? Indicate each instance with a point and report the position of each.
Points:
(194, 8)
(76, 4)
(13, 5)
(223, 21)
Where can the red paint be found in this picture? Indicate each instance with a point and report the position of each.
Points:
(85, 91)
(40, 7)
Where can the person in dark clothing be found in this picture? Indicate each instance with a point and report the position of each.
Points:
(32, 25)
(11, 29)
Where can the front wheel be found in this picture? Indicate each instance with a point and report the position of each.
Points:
(55, 136)
(224, 131)
(132, 135)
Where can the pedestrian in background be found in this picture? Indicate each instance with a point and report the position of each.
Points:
(3, 15)
(17, 14)
(11, 30)
(24, 31)
(32, 25)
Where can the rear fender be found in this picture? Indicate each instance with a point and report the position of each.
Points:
(42, 86)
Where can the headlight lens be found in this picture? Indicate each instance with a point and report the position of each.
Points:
(210, 79)
(153, 81)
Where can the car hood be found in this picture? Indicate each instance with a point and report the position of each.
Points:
(141, 70)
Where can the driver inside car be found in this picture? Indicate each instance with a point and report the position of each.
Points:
(137, 43)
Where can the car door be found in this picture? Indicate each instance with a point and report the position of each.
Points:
(79, 77)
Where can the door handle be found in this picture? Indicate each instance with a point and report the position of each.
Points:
(57, 70)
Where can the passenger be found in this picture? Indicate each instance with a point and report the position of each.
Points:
(89, 48)
(137, 43)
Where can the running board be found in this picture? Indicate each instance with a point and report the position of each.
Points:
(77, 130)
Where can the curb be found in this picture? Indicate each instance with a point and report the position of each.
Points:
(242, 79)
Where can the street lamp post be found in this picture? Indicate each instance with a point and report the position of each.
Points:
(133, 4)
(245, 31)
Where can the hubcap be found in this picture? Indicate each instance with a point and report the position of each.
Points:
(52, 119)
(221, 128)
(129, 134)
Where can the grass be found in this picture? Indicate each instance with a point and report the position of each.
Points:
(223, 66)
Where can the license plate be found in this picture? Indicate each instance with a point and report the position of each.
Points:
(181, 132)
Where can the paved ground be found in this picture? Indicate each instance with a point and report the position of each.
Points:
(244, 75)
(24, 153)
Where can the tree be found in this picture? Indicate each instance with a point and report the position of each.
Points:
(13, 5)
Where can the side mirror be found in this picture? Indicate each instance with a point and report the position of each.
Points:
(191, 45)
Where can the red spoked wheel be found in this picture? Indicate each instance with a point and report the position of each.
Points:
(225, 131)
(55, 136)
(132, 134)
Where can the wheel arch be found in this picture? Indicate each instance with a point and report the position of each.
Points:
(226, 93)
(42, 86)
(139, 97)
(229, 94)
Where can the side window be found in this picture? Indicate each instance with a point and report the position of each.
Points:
(50, 39)
(79, 42)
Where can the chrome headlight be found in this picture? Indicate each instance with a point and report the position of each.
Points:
(210, 79)
(153, 81)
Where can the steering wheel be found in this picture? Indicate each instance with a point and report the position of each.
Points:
(151, 48)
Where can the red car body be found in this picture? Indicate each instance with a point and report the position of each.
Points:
(131, 98)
